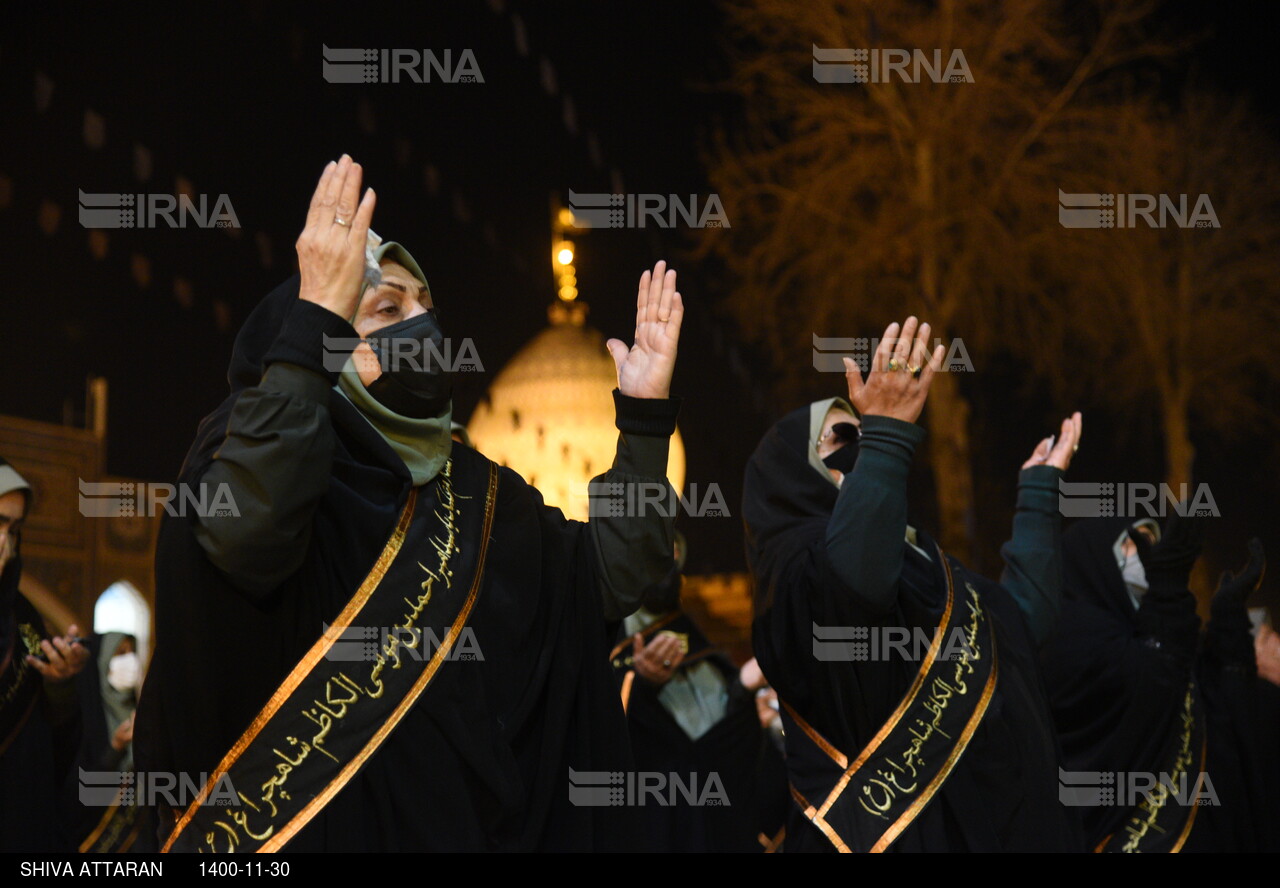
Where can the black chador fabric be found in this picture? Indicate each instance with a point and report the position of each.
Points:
(1002, 794)
(1118, 678)
(38, 743)
(482, 760)
(746, 764)
(95, 828)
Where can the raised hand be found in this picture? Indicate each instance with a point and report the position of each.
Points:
(644, 370)
(331, 247)
(1170, 560)
(1058, 455)
(901, 370)
(1234, 589)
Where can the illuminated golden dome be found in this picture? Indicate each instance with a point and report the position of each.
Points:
(549, 414)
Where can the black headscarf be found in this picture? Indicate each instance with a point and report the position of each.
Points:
(258, 644)
(1115, 690)
(481, 760)
(786, 503)
(1092, 572)
(1002, 794)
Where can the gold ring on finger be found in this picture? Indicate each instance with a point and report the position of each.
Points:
(343, 222)
(893, 365)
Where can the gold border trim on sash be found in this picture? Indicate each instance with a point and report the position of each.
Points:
(935, 645)
(102, 824)
(771, 846)
(308, 662)
(958, 750)
(818, 817)
(627, 681)
(818, 740)
(1191, 818)
(290, 829)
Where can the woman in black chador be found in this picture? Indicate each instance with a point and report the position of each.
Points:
(374, 638)
(916, 719)
(1156, 721)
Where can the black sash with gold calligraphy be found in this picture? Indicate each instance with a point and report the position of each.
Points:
(331, 714)
(1163, 820)
(863, 804)
(20, 683)
(117, 830)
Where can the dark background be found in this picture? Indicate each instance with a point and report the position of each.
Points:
(231, 97)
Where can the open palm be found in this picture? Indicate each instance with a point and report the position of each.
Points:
(644, 370)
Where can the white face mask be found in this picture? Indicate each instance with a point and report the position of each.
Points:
(1135, 577)
(123, 671)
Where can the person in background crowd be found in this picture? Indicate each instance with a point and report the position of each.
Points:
(949, 748)
(692, 718)
(39, 723)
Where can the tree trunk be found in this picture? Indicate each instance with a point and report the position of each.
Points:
(952, 467)
(947, 408)
(1179, 459)
(1179, 452)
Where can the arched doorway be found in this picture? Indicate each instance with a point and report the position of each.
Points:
(121, 608)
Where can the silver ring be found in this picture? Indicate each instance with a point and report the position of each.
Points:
(343, 222)
(666, 664)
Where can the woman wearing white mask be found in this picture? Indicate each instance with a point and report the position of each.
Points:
(108, 691)
(1138, 696)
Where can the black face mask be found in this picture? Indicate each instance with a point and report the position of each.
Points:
(844, 458)
(414, 380)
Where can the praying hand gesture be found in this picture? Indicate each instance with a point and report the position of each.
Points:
(644, 370)
(901, 371)
(331, 247)
(1058, 455)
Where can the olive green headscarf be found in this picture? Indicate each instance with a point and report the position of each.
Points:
(423, 444)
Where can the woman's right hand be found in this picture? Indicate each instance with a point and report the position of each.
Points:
(901, 370)
(331, 247)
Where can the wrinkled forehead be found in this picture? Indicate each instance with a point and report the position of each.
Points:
(395, 272)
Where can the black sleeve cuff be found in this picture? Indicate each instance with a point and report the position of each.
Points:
(1038, 488)
(891, 434)
(314, 338)
(655, 417)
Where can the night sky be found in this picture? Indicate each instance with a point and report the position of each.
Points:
(231, 97)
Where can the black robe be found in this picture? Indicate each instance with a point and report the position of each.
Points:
(1118, 678)
(36, 761)
(481, 761)
(737, 749)
(95, 829)
(1003, 793)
